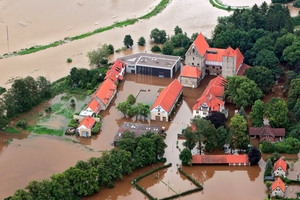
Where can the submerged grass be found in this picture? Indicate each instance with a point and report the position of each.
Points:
(11, 129)
(162, 5)
(66, 112)
(44, 130)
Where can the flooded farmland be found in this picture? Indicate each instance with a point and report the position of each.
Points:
(25, 157)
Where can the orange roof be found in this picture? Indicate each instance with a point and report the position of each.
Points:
(94, 106)
(280, 163)
(189, 71)
(115, 70)
(239, 58)
(216, 56)
(242, 69)
(220, 159)
(105, 91)
(201, 44)
(167, 96)
(214, 89)
(88, 122)
(278, 183)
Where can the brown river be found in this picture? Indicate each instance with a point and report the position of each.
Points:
(31, 157)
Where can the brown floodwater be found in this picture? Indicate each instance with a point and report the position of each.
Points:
(37, 157)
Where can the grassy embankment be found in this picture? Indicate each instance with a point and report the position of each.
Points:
(163, 4)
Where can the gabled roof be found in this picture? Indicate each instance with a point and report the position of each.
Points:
(280, 163)
(88, 122)
(267, 130)
(105, 91)
(167, 96)
(201, 44)
(241, 71)
(239, 58)
(220, 159)
(214, 54)
(189, 71)
(94, 106)
(278, 183)
(115, 70)
(214, 89)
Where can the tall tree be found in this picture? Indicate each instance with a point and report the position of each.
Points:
(177, 30)
(168, 48)
(185, 156)
(158, 36)
(238, 130)
(223, 137)
(242, 91)
(142, 41)
(128, 41)
(217, 118)
(190, 138)
(276, 111)
(99, 56)
(254, 156)
(262, 76)
(257, 113)
(294, 93)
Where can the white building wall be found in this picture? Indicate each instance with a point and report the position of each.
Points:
(277, 191)
(158, 111)
(279, 172)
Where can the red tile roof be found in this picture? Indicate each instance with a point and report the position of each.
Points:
(88, 122)
(216, 56)
(201, 44)
(280, 163)
(167, 96)
(239, 58)
(278, 183)
(241, 71)
(105, 91)
(189, 71)
(115, 70)
(220, 159)
(214, 89)
(94, 106)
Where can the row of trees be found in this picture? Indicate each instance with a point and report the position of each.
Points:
(289, 145)
(130, 110)
(87, 177)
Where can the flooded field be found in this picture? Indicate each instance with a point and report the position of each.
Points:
(25, 157)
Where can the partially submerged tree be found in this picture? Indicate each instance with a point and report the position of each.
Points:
(257, 113)
(141, 41)
(158, 36)
(99, 56)
(238, 130)
(254, 156)
(128, 41)
(185, 156)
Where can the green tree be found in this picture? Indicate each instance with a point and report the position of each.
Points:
(22, 195)
(262, 76)
(111, 49)
(141, 41)
(276, 112)
(268, 168)
(160, 145)
(292, 53)
(242, 91)
(145, 152)
(190, 138)
(155, 48)
(177, 30)
(268, 184)
(257, 113)
(210, 138)
(243, 113)
(128, 41)
(289, 76)
(266, 58)
(294, 92)
(131, 99)
(185, 156)
(296, 4)
(99, 56)
(267, 147)
(123, 107)
(158, 36)
(238, 130)
(168, 48)
(223, 137)
(180, 40)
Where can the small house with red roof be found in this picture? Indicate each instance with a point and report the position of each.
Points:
(103, 96)
(278, 188)
(214, 61)
(190, 77)
(211, 99)
(166, 101)
(85, 127)
(280, 167)
(267, 133)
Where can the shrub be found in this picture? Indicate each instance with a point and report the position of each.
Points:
(96, 128)
(2, 90)
(155, 48)
(21, 124)
(72, 123)
(48, 109)
(69, 60)
(111, 49)
(141, 41)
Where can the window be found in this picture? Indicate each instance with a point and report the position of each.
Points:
(213, 67)
(192, 63)
(158, 110)
(158, 113)
(193, 58)
(197, 111)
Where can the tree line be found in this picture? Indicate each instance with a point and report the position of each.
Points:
(88, 177)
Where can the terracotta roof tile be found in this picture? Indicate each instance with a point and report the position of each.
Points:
(216, 56)
(189, 71)
(167, 96)
(278, 183)
(214, 89)
(220, 159)
(94, 106)
(267, 130)
(201, 44)
(280, 163)
(88, 122)
(105, 91)
(239, 58)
